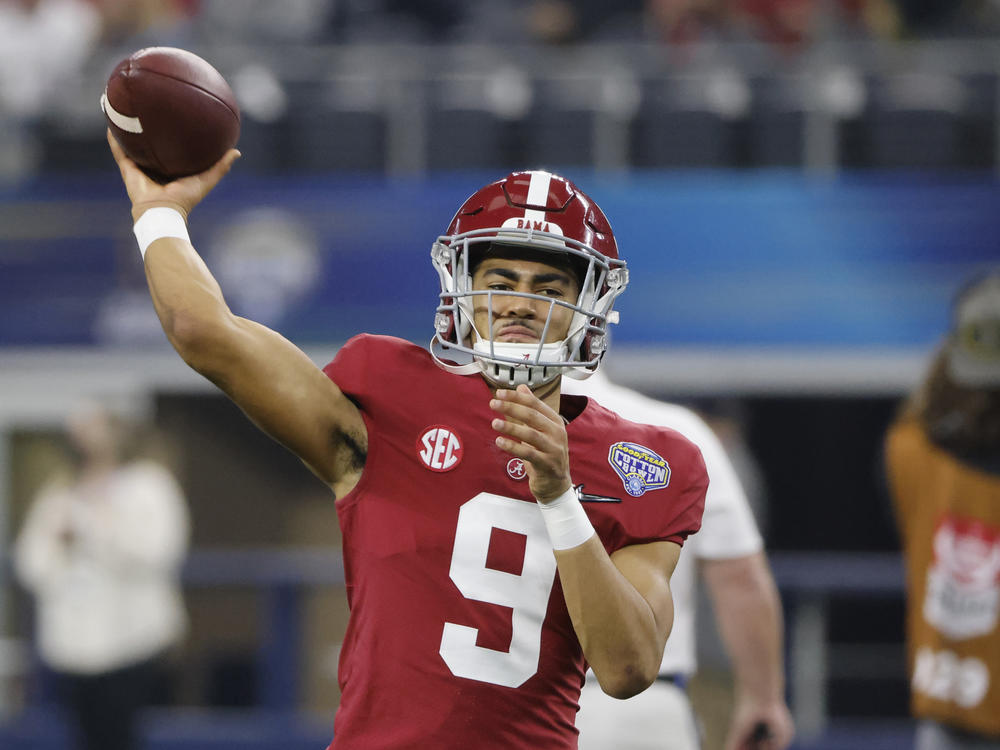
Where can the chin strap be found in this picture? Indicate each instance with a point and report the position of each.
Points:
(502, 373)
(511, 376)
(439, 351)
(494, 360)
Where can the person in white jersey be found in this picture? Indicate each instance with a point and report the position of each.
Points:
(729, 554)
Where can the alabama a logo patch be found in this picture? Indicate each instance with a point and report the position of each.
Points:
(439, 448)
(516, 469)
(640, 468)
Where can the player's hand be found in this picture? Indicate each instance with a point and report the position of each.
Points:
(767, 727)
(182, 194)
(532, 431)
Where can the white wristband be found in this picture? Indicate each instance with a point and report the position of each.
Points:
(566, 521)
(156, 223)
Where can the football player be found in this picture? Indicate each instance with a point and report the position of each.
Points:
(497, 536)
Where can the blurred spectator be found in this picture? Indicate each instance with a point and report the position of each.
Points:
(100, 551)
(42, 42)
(563, 21)
(788, 24)
(548, 22)
(943, 465)
(157, 20)
(435, 16)
(266, 21)
(793, 23)
(949, 18)
(683, 21)
(45, 48)
(388, 21)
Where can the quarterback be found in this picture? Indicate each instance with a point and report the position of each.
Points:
(498, 537)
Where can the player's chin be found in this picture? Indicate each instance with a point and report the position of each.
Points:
(517, 339)
(517, 335)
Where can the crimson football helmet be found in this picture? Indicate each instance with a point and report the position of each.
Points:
(558, 224)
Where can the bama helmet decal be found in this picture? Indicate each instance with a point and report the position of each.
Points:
(640, 468)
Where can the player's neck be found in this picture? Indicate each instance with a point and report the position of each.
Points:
(550, 393)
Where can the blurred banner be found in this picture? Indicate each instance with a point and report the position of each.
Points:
(726, 260)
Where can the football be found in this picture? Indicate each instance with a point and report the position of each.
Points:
(171, 112)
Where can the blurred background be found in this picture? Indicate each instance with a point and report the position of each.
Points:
(798, 186)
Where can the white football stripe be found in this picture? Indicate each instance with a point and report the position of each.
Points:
(126, 123)
(538, 194)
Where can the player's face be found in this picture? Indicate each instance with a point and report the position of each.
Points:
(521, 319)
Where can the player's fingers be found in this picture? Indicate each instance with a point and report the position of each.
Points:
(229, 159)
(522, 432)
(520, 449)
(526, 393)
(220, 169)
(545, 472)
(543, 452)
(526, 407)
(141, 190)
(524, 414)
(198, 186)
(189, 191)
(125, 165)
(116, 150)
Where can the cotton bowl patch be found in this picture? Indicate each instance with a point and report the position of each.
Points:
(640, 468)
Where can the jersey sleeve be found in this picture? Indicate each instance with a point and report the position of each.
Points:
(690, 506)
(371, 371)
(672, 513)
(349, 368)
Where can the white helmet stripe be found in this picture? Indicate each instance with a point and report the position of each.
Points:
(538, 195)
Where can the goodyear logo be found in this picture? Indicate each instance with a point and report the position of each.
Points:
(640, 468)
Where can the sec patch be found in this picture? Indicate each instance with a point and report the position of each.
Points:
(439, 448)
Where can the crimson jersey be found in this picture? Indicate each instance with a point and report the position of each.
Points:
(459, 635)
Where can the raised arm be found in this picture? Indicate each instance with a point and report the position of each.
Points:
(273, 381)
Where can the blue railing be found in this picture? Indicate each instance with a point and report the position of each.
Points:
(807, 582)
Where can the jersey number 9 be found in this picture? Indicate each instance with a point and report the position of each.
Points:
(527, 594)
